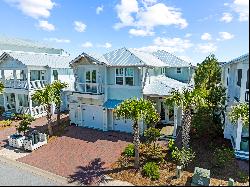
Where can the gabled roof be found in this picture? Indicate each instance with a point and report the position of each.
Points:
(132, 57)
(170, 59)
(93, 58)
(161, 85)
(241, 58)
(39, 59)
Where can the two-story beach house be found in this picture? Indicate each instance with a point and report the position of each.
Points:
(27, 66)
(104, 81)
(235, 77)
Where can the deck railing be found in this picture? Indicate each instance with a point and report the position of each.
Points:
(37, 84)
(94, 88)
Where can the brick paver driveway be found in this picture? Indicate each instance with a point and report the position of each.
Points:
(81, 154)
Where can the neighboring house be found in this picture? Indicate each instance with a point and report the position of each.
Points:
(104, 81)
(24, 72)
(235, 77)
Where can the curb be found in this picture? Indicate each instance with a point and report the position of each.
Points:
(57, 178)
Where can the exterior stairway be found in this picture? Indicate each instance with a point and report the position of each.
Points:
(241, 155)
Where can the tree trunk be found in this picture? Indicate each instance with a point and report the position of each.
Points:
(186, 127)
(49, 115)
(58, 114)
(136, 144)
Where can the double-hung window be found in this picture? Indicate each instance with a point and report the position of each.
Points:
(163, 71)
(124, 76)
(119, 76)
(178, 70)
(239, 76)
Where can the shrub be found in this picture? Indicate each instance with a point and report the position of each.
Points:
(183, 156)
(25, 123)
(223, 156)
(171, 144)
(151, 170)
(150, 152)
(152, 134)
(5, 123)
(129, 151)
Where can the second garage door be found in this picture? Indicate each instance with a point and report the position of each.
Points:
(92, 117)
(123, 125)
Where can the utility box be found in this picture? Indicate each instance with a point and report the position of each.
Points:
(201, 177)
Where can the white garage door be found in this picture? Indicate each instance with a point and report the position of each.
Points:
(123, 125)
(92, 117)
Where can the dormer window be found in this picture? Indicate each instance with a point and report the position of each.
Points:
(124, 76)
(178, 70)
(163, 71)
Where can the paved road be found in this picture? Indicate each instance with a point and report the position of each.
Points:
(11, 175)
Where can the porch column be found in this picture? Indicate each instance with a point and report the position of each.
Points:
(175, 120)
(243, 85)
(30, 104)
(238, 135)
(28, 78)
(112, 119)
(15, 77)
(16, 102)
(105, 119)
(5, 101)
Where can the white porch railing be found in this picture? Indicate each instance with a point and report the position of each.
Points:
(95, 88)
(37, 84)
(247, 96)
(37, 111)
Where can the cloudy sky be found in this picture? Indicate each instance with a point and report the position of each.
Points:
(190, 29)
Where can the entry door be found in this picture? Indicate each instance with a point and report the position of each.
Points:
(90, 78)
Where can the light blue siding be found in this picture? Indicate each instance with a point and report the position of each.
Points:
(184, 76)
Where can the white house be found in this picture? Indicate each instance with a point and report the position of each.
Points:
(235, 77)
(24, 72)
(104, 81)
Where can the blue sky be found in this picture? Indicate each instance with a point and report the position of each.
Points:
(189, 29)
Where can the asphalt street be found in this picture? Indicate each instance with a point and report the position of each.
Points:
(10, 175)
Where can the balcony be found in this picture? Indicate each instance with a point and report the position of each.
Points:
(19, 84)
(90, 88)
(247, 96)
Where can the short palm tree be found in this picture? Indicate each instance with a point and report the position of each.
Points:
(58, 86)
(46, 97)
(186, 99)
(137, 110)
(1, 87)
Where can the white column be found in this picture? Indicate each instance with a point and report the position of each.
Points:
(16, 102)
(243, 85)
(175, 120)
(105, 119)
(30, 104)
(15, 77)
(112, 119)
(28, 78)
(238, 135)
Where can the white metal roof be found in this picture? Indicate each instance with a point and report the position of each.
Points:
(132, 57)
(241, 58)
(39, 59)
(161, 85)
(170, 59)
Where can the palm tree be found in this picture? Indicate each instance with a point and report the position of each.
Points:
(137, 110)
(58, 86)
(186, 99)
(46, 96)
(240, 111)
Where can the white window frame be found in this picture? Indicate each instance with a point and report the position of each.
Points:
(178, 70)
(124, 76)
(163, 71)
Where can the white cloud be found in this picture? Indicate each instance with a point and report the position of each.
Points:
(169, 44)
(45, 25)
(206, 36)
(57, 40)
(186, 58)
(148, 16)
(140, 32)
(241, 7)
(188, 35)
(33, 8)
(225, 36)
(207, 48)
(107, 45)
(79, 26)
(87, 45)
(99, 9)
(227, 17)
